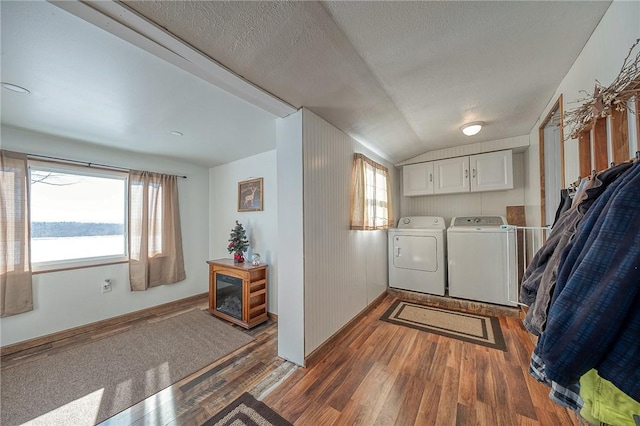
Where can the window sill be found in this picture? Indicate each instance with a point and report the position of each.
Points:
(44, 268)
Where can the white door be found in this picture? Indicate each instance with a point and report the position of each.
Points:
(491, 171)
(417, 179)
(552, 172)
(417, 252)
(451, 175)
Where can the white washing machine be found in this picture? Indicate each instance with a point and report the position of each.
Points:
(417, 255)
(482, 260)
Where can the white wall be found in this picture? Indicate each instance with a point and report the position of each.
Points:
(290, 239)
(492, 203)
(600, 59)
(344, 270)
(261, 226)
(72, 298)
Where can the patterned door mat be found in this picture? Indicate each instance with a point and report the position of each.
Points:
(247, 411)
(474, 328)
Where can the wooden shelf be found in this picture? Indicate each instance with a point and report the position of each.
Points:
(253, 283)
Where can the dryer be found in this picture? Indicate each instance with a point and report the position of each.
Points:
(482, 260)
(417, 255)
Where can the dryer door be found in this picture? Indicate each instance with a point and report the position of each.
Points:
(417, 252)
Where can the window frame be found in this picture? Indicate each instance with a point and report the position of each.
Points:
(361, 187)
(372, 187)
(89, 171)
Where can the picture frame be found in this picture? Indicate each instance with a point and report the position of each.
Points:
(250, 195)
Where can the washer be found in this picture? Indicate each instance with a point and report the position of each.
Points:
(417, 259)
(482, 260)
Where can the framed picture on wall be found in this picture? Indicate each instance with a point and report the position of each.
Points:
(250, 197)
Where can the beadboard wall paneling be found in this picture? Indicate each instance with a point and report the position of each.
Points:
(342, 270)
(374, 244)
(447, 205)
(517, 143)
(492, 203)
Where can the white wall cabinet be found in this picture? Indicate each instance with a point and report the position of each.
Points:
(451, 175)
(417, 179)
(492, 171)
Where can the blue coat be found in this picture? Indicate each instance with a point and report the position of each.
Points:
(540, 277)
(594, 318)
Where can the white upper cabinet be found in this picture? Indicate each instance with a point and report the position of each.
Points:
(492, 171)
(451, 175)
(417, 179)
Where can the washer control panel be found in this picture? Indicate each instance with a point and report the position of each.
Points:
(478, 221)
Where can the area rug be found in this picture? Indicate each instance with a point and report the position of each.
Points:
(247, 411)
(90, 383)
(474, 328)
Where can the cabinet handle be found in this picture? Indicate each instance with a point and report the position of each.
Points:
(398, 250)
(430, 177)
(466, 173)
(474, 173)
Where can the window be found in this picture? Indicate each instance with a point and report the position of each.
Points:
(78, 216)
(371, 206)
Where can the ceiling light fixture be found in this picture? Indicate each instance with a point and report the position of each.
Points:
(15, 88)
(473, 128)
(176, 133)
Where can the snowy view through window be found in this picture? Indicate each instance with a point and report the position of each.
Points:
(76, 215)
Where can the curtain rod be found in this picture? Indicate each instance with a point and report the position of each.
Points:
(88, 164)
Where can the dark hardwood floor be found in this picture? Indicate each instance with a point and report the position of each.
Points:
(374, 373)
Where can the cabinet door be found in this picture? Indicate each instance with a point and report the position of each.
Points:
(492, 171)
(451, 175)
(417, 179)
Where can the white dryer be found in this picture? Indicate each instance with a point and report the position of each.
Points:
(417, 259)
(482, 260)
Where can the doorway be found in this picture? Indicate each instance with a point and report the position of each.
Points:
(551, 162)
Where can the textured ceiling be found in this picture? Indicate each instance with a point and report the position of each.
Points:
(295, 51)
(400, 76)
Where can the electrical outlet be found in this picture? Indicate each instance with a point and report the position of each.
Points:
(106, 286)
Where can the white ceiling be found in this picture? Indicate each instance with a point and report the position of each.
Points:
(90, 85)
(401, 77)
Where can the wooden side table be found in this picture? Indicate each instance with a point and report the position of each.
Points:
(238, 292)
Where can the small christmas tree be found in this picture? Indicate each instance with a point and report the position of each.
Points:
(238, 243)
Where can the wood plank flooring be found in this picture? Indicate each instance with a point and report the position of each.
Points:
(384, 374)
(374, 373)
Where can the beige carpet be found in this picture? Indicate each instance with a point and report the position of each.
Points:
(475, 328)
(87, 384)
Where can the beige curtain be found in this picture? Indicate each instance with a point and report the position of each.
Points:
(155, 238)
(371, 206)
(15, 254)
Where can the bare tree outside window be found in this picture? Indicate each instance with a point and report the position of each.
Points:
(53, 178)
